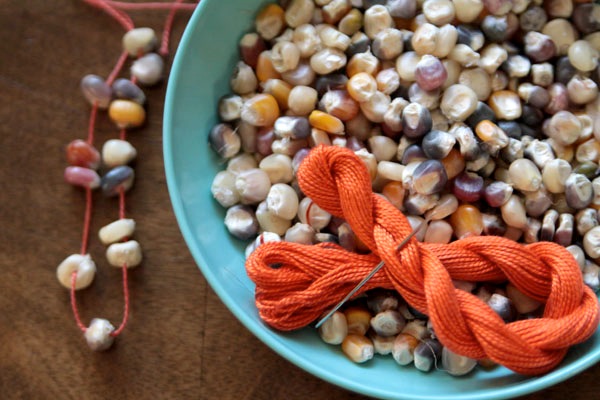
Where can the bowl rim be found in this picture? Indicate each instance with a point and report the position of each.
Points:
(261, 331)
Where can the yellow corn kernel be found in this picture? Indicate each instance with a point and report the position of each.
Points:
(126, 113)
(403, 348)
(363, 62)
(491, 135)
(358, 348)
(278, 89)
(454, 163)
(394, 192)
(351, 22)
(358, 319)
(335, 10)
(506, 104)
(260, 110)
(265, 69)
(270, 21)
(466, 221)
(362, 86)
(326, 122)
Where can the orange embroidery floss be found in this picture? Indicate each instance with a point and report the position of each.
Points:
(309, 280)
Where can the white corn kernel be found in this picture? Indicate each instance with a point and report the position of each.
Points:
(310, 213)
(116, 231)
(270, 222)
(278, 167)
(465, 56)
(591, 242)
(388, 44)
(99, 334)
(478, 80)
(302, 100)
(331, 37)
(282, 201)
(525, 175)
(406, 64)
(241, 162)
(301, 233)
(223, 189)
(306, 40)
(139, 41)
(264, 237)
(424, 39)
(376, 106)
(127, 253)
(390, 170)
(240, 221)
(243, 79)
(299, 12)
(83, 265)
(388, 81)
(467, 10)
(327, 60)
(376, 19)
(542, 74)
(583, 56)
(578, 254)
(335, 329)
(439, 12)
(253, 185)
(492, 56)
(148, 69)
(285, 56)
(513, 212)
(446, 41)
(117, 152)
(383, 345)
(388, 323)
(458, 102)
(455, 364)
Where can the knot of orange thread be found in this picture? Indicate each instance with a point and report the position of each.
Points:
(310, 279)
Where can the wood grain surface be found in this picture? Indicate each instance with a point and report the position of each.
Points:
(181, 342)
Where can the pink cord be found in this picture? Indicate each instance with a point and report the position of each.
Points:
(117, 69)
(121, 327)
(74, 303)
(87, 218)
(114, 9)
(117, 15)
(164, 46)
(151, 6)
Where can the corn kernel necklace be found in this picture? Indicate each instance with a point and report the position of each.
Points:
(124, 101)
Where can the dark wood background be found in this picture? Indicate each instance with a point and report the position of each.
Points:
(181, 342)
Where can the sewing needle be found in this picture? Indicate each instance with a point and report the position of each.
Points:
(366, 278)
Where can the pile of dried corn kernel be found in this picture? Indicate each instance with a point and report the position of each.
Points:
(480, 117)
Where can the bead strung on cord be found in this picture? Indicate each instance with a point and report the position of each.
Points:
(124, 101)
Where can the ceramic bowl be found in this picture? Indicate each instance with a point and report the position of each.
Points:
(199, 77)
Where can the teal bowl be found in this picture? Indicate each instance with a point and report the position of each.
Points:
(200, 75)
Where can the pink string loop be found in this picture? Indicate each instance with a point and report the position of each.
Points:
(151, 6)
(115, 10)
(118, 15)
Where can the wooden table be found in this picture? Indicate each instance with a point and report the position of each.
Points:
(181, 342)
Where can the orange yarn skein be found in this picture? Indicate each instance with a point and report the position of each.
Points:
(311, 279)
